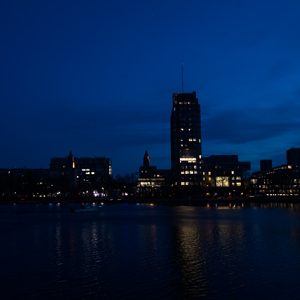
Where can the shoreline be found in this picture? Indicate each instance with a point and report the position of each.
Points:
(188, 201)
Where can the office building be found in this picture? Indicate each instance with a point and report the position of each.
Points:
(277, 181)
(280, 181)
(293, 157)
(185, 140)
(224, 175)
(83, 173)
(266, 165)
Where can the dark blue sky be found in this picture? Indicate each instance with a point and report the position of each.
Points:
(97, 77)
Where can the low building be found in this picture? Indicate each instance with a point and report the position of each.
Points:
(293, 157)
(224, 175)
(266, 165)
(279, 181)
(152, 182)
(88, 176)
(25, 184)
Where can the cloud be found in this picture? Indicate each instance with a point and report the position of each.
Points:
(249, 125)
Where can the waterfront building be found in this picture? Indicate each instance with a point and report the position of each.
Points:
(224, 175)
(152, 182)
(293, 157)
(280, 181)
(88, 175)
(185, 140)
(25, 184)
(265, 165)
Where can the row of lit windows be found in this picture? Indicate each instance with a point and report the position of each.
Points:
(90, 173)
(232, 172)
(223, 181)
(150, 183)
(263, 186)
(188, 167)
(184, 183)
(189, 172)
(187, 159)
(282, 194)
(184, 103)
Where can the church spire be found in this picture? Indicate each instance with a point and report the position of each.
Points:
(146, 160)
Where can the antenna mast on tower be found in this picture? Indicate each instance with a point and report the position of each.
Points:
(182, 83)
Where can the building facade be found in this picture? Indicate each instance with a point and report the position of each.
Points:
(266, 165)
(224, 175)
(186, 140)
(87, 175)
(293, 157)
(152, 182)
(279, 181)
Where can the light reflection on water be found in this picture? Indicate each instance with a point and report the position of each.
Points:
(130, 252)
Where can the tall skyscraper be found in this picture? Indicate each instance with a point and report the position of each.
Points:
(186, 139)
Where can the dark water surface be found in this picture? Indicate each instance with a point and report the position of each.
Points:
(142, 252)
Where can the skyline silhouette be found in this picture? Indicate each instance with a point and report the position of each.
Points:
(97, 78)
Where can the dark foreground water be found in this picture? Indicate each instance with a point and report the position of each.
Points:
(141, 252)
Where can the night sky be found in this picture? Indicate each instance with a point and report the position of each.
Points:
(97, 77)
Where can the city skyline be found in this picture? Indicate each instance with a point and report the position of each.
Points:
(98, 79)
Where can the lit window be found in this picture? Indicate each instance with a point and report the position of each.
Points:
(222, 181)
(187, 159)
